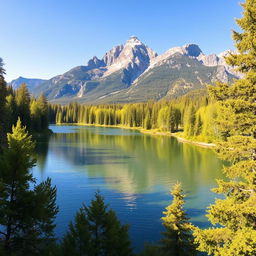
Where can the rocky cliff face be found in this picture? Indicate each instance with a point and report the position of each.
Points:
(95, 63)
(134, 72)
(176, 72)
(111, 56)
(133, 58)
(219, 60)
(194, 52)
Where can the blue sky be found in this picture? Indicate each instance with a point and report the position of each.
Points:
(44, 38)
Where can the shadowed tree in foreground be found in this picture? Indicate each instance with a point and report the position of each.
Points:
(3, 94)
(96, 231)
(27, 210)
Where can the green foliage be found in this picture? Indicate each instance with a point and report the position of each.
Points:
(189, 121)
(96, 231)
(22, 98)
(44, 111)
(205, 125)
(167, 116)
(77, 240)
(39, 114)
(236, 121)
(27, 212)
(147, 121)
(178, 239)
(198, 125)
(151, 250)
(11, 110)
(162, 119)
(34, 113)
(3, 94)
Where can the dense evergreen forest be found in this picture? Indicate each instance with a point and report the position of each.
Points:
(194, 114)
(33, 113)
(227, 116)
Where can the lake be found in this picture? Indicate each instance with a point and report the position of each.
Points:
(133, 171)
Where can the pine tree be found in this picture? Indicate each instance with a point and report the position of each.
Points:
(171, 122)
(236, 213)
(177, 119)
(3, 94)
(189, 121)
(35, 114)
(77, 240)
(11, 111)
(27, 213)
(44, 111)
(96, 214)
(96, 231)
(147, 121)
(162, 118)
(151, 250)
(22, 98)
(39, 113)
(59, 117)
(178, 239)
(198, 125)
(116, 241)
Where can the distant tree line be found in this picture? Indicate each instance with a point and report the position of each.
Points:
(194, 115)
(33, 112)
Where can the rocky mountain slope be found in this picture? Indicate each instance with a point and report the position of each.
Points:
(30, 82)
(114, 72)
(134, 72)
(176, 72)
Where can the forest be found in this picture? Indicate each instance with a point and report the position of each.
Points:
(34, 113)
(226, 116)
(192, 114)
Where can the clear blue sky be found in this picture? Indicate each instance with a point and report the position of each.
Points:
(43, 38)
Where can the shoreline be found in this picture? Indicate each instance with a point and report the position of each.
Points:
(149, 132)
(179, 138)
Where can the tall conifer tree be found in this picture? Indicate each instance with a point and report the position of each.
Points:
(23, 104)
(3, 94)
(27, 211)
(236, 213)
(178, 239)
(96, 231)
(44, 111)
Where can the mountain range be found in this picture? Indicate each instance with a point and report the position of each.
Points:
(30, 82)
(133, 72)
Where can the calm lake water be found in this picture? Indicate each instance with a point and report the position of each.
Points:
(133, 171)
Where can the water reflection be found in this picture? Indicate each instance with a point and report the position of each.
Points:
(134, 172)
(136, 163)
(41, 150)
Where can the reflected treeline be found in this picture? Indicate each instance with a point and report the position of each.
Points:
(136, 163)
(41, 150)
